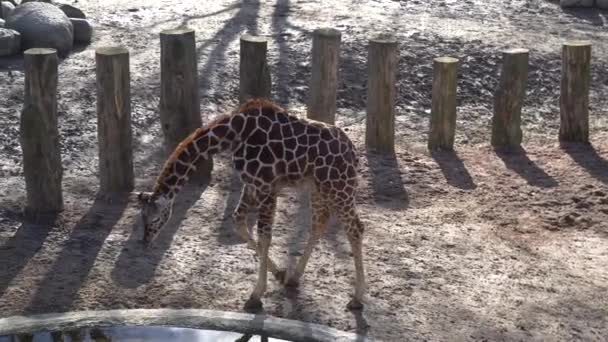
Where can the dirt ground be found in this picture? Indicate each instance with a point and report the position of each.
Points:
(472, 245)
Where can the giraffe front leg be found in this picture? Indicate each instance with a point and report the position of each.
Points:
(265, 219)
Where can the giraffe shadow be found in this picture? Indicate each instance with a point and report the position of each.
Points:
(136, 256)
(77, 257)
(388, 189)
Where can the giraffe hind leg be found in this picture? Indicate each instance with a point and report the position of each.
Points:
(354, 231)
(266, 214)
(320, 217)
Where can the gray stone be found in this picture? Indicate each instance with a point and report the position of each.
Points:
(7, 9)
(603, 4)
(10, 42)
(42, 25)
(187, 318)
(576, 3)
(72, 12)
(83, 31)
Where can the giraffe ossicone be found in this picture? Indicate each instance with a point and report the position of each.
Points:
(271, 149)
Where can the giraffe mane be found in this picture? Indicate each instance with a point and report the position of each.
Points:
(253, 104)
(167, 167)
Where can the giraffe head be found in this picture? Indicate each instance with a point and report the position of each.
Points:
(155, 212)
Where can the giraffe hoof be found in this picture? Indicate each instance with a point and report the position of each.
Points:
(355, 305)
(253, 305)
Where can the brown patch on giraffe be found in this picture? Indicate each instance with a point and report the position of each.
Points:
(280, 168)
(253, 152)
(249, 127)
(252, 167)
(266, 155)
(286, 131)
(321, 173)
(277, 149)
(323, 150)
(298, 128)
(264, 123)
(239, 164)
(258, 137)
(290, 143)
(303, 140)
(237, 123)
(275, 132)
(266, 173)
(334, 147)
(325, 135)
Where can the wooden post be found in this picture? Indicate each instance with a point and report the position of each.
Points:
(509, 99)
(39, 134)
(324, 78)
(179, 93)
(381, 92)
(254, 80)
(114, 120)
(443, 110)
(574, 97)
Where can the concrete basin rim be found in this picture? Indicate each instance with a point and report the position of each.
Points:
(185, 318)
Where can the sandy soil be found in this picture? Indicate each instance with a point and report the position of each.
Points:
(473, 245)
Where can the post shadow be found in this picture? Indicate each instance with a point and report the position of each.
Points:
(388, 189)
(516, 159)
(454, 170)
(77, 257)
(144, 260)
(20, 248)
(587, 157)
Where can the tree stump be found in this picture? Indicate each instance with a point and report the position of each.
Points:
(443, 110)
(114, 121)
(324, 78)
(381, 93)
(39, 134)
(254, 73)
(574, 96)
(179, 93)
(509, 99)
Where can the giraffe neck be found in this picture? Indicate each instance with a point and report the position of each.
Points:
(201, 144)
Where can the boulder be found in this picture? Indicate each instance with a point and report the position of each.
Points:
(83, 30)
(576, 3)
(42, 25)
(603, 4)
(7, 8)
(72, 12)
(10, 42)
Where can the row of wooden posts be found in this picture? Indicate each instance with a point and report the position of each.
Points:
(180, 103)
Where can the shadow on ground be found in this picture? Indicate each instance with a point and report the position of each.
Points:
(77, 257)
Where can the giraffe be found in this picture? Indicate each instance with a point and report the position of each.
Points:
(271, 149)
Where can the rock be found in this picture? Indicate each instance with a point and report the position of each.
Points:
(10, 42)
(83, 30)
(42, 25)
(47, 1)
(7, 9)
(72, 12)
(576, 3)
(603, 4)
